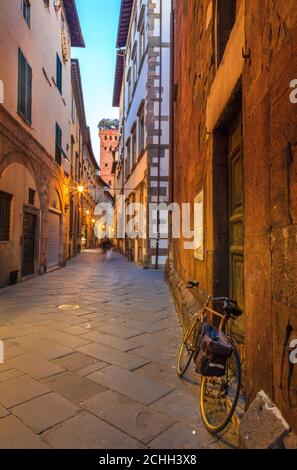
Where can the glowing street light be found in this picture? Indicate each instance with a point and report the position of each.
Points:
(80, 189)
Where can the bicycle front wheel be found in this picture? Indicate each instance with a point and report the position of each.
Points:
(219, 396)
(187, 348)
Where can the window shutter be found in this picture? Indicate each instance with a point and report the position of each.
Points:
(28, 93)
(22, 85)
(59, 74)
(58, 156)
(24, 88)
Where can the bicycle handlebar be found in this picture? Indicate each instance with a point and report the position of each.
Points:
(196, 285)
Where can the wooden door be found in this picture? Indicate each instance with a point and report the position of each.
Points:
(236, 214)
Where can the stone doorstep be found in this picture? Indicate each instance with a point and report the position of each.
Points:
(263, 426)
(290, 441)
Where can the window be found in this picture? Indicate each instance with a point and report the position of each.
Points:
(225, 20)
(24, 89)
(73, 109)
(77, 167)
(26, 10)
(59, 74)
(141, 42)
(134, 66)
(58, 154)
(134, 145)
(5, 216)
(31, 197)
(128, 158)
(129, 86)
(141, 131)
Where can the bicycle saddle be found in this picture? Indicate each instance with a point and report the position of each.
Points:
(232, 309)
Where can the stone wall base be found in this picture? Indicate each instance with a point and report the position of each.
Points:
(185, 303)
(263, 427)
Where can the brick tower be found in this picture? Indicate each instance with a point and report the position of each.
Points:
(108, 144)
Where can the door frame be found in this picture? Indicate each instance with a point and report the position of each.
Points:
(33, 211)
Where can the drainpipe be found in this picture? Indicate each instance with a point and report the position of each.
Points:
(171, 117)
(159, 137)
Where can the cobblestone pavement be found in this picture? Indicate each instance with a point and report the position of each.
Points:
(101, 376)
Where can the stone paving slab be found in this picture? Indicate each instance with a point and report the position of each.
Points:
(73, 387)
(123, 345)
(167, 357)
(47, 349)
(10, 374)
(166, 374)
(112, 356)
(85, 431)
(20, 390)
(15, 435)
(75, 330)
(65, 339)
(98, 365)
(128, 415)
(44, 412)
(35, 365)
(180, 436)
(3, 412)
(75, 361)
(181, 405)
(121, 332)
(138, 388)
(4, 367)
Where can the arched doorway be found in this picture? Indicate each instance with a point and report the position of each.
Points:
(19, 224)
(54, 231)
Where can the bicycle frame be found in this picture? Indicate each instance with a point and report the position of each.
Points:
(206, 310)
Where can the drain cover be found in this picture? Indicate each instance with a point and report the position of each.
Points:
(69, 307)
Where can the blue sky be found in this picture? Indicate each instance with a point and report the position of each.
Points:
(99, 22)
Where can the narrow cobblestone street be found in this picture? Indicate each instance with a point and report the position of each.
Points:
(101, 376)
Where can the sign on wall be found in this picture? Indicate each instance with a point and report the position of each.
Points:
(1, 92)
(198, 226)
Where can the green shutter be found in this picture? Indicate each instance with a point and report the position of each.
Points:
(24, 88)
(29, 93)
(58, 156)
(59, 74)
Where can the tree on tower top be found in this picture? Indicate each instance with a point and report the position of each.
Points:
(108, 124)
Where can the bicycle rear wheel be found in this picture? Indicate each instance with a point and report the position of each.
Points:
(187, 349)
(219, 396)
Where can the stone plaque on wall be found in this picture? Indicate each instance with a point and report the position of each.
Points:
(198, 226)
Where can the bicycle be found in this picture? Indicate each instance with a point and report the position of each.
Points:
(218, 395)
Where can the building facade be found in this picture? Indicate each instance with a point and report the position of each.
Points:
(141, 91)
(35, 69)
(83, 180)
(108, 146)
(233, 66)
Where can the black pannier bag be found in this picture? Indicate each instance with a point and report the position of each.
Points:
(214, 352)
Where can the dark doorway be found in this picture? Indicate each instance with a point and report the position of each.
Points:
(29, 243)
(229, 207)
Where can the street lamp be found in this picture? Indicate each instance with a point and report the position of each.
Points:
(80, 189)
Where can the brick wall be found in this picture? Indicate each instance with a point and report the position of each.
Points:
(108, 144)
